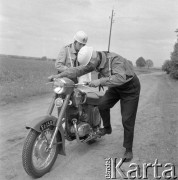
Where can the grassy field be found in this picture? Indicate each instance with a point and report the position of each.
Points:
(20, 78)
(145, 70)
(25, 77)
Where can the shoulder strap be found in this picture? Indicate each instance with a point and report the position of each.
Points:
(110, 61)
(70, 57)
(109, 66)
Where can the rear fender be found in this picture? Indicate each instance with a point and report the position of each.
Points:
(38, 125)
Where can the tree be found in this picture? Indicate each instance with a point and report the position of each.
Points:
(174, 54)
(44, 58)
(149, 63)
(140, 62)
(174, 63)
(171, 67)
(167, 66)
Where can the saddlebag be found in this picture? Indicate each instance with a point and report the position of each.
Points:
(92, 98)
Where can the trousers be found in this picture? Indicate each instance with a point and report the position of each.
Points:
(128, 95)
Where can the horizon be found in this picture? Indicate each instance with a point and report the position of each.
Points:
(51, 59)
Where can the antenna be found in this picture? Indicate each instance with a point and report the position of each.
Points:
(112, 21)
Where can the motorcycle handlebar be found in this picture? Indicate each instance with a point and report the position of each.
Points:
(78, 84)
(82, 84)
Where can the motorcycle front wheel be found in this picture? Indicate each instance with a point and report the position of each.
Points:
(36, 158)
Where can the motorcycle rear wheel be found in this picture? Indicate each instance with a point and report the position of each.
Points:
(36, 159)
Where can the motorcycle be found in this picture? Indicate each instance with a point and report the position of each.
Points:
(77, 119)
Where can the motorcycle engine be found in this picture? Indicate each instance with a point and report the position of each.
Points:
(83, 126)
(83, 129)
(86, 116)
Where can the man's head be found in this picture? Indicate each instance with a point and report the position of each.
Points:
(86, 55)
(80, 40)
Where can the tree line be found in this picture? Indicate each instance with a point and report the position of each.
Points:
(171, 66)
(141, 62)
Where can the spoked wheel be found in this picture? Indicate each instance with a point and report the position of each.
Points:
(37, 159)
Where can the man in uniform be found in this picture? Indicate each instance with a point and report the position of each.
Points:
(123, 84)
(68, 55)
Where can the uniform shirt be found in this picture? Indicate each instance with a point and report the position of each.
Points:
(67, 58)
(114, 70)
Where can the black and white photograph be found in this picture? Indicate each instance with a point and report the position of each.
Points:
(88, 89)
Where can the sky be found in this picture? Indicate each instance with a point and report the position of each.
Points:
(141, 28)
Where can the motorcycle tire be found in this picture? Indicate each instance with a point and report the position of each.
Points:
(30, 150)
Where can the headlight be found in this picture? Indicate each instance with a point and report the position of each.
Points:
(63, 86)
(59, 90)
(59, 86)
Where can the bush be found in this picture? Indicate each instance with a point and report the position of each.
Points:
(174, 69)
(44, 58)
(174, 62)
(171, 66)
(167, 66)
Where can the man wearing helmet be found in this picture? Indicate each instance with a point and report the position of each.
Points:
(68, 55)
(123, 84)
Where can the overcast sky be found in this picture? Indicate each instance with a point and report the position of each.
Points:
(41, 27)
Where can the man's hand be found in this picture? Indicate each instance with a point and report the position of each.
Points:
(94, 83)
(52, 77)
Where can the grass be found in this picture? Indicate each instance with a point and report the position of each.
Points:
(25, 77)
(145, 70)
(20, 78)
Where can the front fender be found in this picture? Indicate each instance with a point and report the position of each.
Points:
(36, 125)
(37, 122)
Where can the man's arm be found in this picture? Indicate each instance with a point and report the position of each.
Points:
(61, 60)
(74, 72)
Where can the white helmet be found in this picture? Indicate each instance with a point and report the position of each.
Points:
(81, 37)
(84, 55)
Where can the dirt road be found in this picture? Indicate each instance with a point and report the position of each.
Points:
(156, 135)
